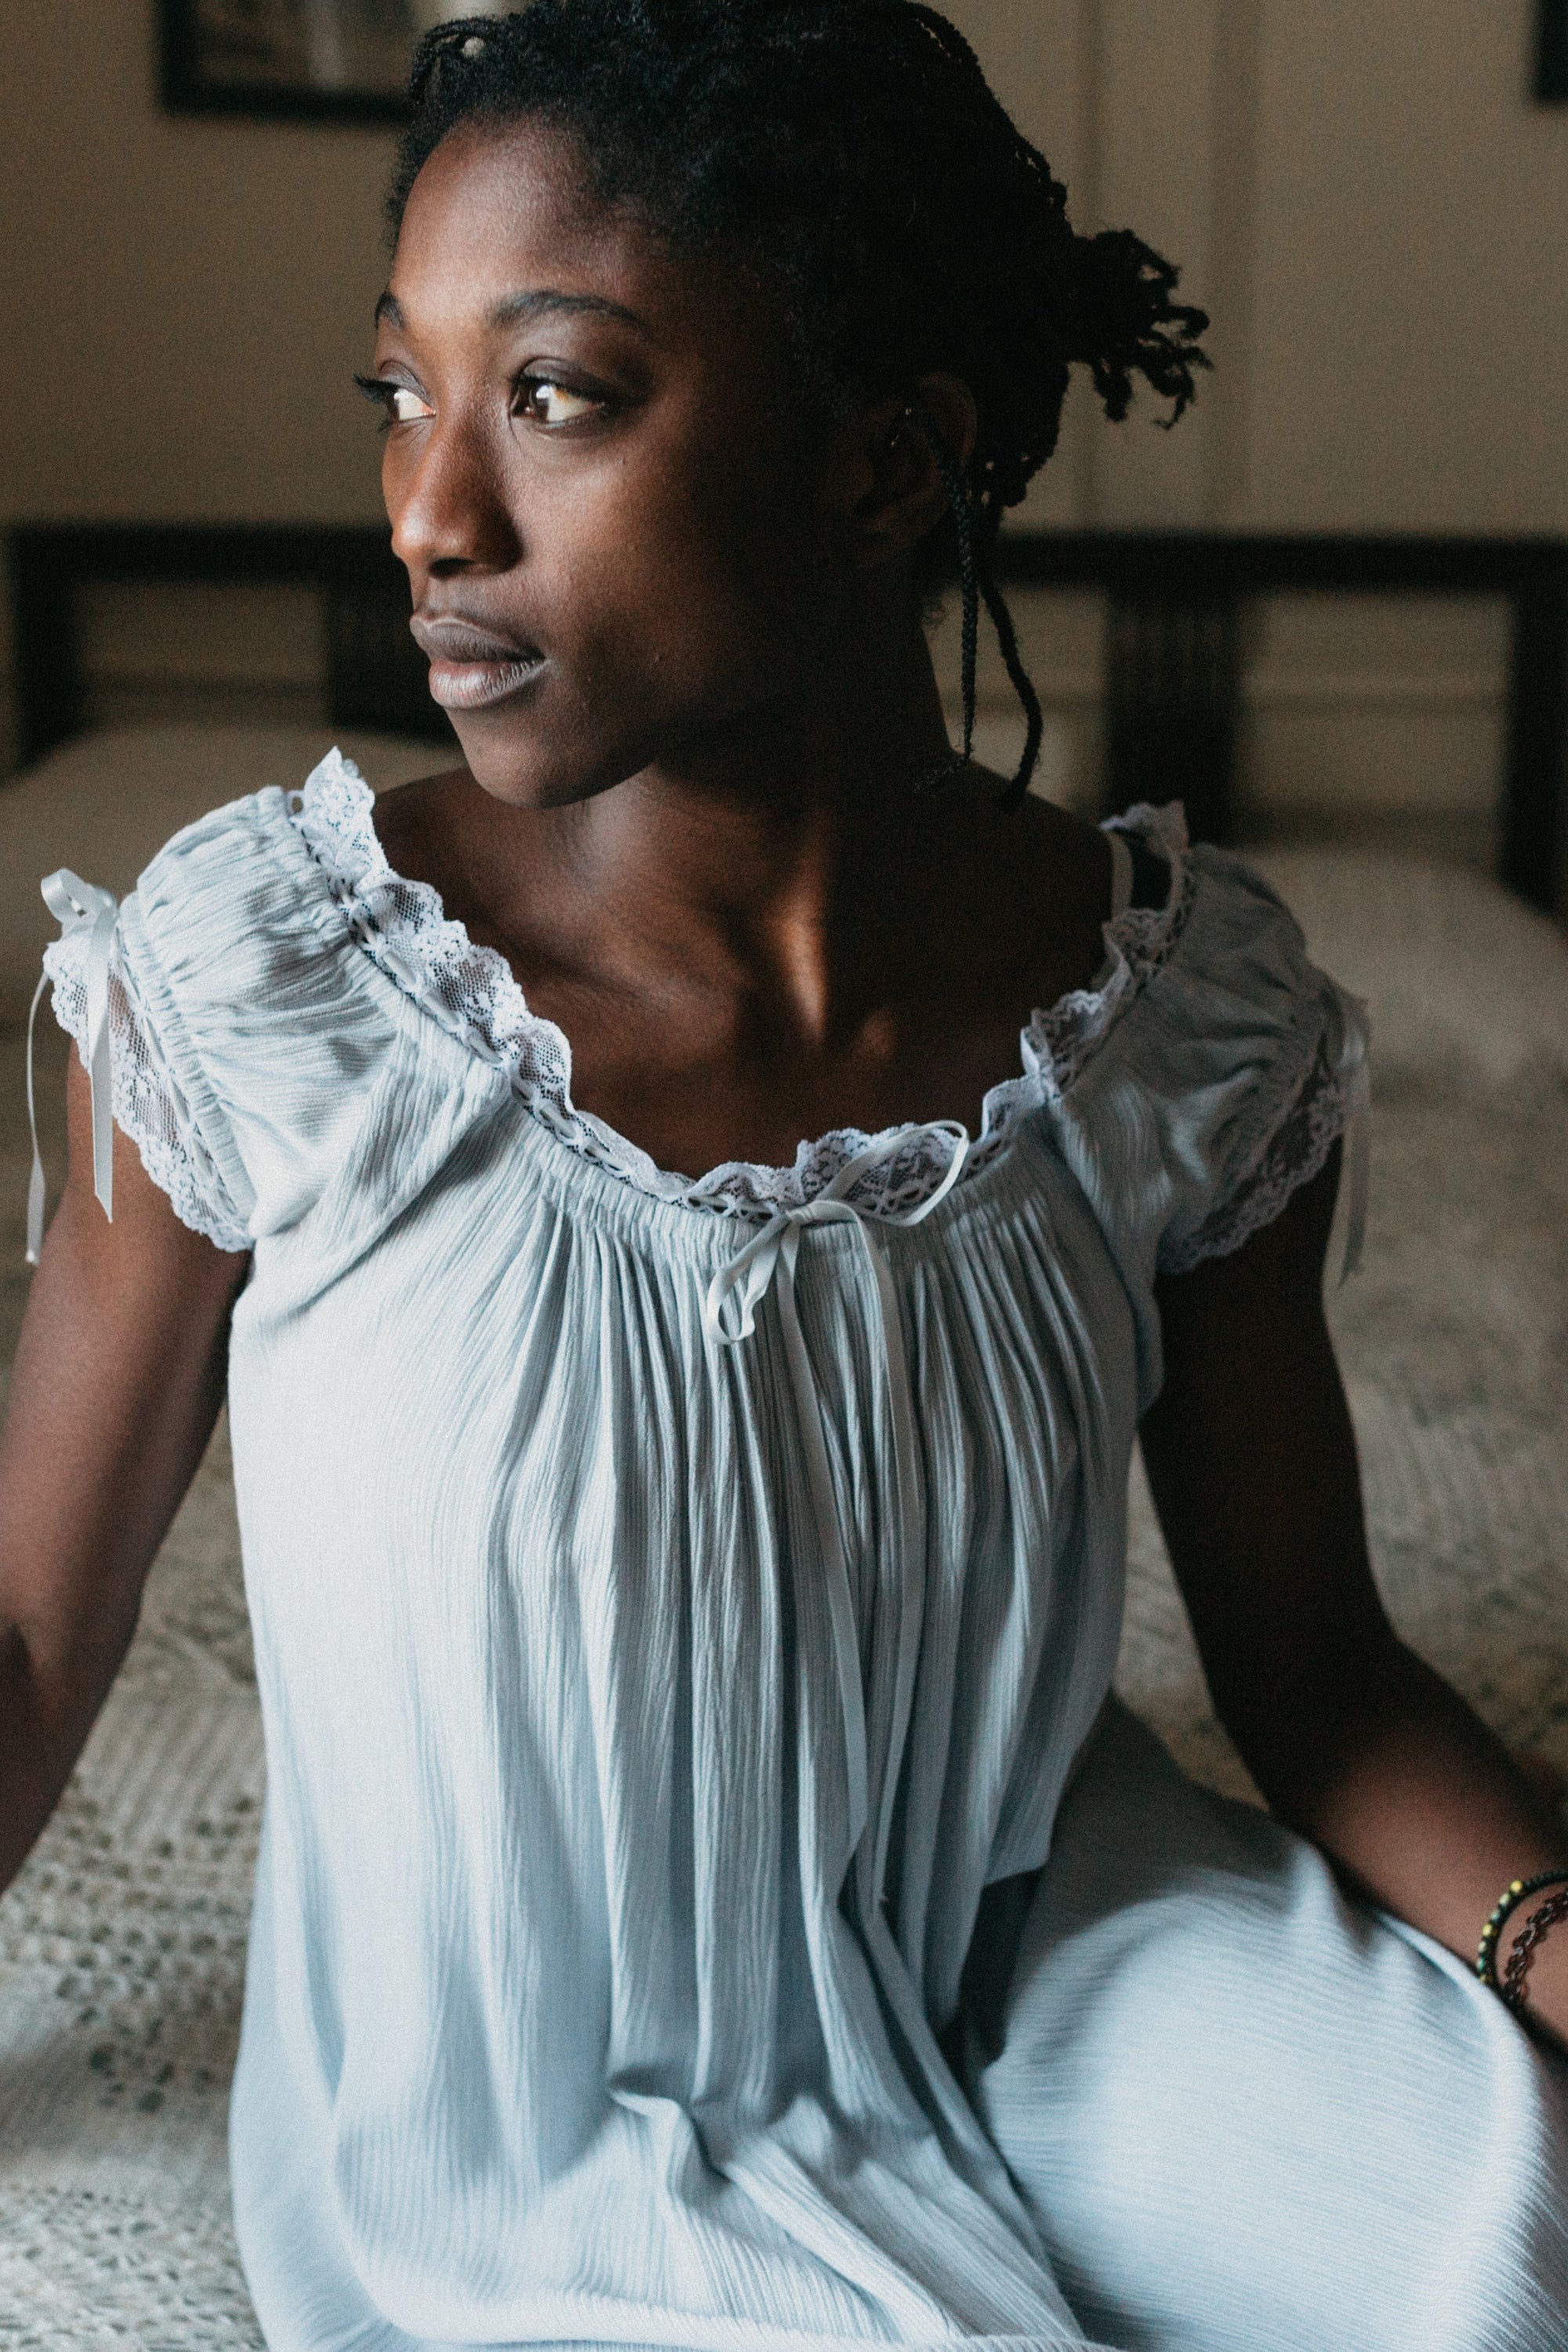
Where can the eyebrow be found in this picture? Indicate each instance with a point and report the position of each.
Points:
(539, 302)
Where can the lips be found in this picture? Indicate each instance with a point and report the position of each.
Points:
(472, 667)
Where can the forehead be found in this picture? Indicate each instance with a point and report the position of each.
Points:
(500, 212)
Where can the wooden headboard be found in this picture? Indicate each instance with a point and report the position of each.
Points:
(1175, 602)
(375, 673)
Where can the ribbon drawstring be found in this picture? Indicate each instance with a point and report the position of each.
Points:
(1352, 1067)
(770, 1260)
(77, 906)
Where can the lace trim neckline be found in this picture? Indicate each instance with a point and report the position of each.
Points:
(474, 995)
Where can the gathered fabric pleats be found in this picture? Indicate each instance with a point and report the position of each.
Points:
(769, 1261)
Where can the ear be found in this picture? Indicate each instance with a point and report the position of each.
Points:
(898, 491)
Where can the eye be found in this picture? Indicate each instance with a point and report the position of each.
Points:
(406, 407)
(399, 405)
(547, 403)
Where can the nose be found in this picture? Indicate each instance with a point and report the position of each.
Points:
(446, 498)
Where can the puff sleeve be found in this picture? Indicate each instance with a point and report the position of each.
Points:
(247, 1032)
(177, 1130)
(1267, 1072)
(1230, 1068)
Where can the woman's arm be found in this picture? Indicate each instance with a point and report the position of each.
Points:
(118, 1380)
(1350, 1736)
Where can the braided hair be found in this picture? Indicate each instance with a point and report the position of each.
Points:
(855, 147)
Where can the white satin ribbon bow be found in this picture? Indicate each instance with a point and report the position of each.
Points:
(77, 906)
(769, 1260)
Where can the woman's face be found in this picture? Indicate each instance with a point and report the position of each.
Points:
(626, 526)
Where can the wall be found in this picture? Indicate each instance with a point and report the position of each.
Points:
(185, 301)
(1372, 209)
(186, 297)
(1361, 193)
(1409, 349)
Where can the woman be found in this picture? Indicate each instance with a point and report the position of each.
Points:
(706, 1899)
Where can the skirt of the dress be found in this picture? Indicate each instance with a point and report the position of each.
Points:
(1247, 2115)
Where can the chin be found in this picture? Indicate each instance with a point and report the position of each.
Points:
(522, 769)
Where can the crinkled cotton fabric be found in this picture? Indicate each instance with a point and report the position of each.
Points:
(583, 2006)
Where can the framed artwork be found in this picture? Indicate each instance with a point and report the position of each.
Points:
(1552, 52)
(343, 61)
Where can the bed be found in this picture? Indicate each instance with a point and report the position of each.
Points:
(121, 1944)
(1177, 608)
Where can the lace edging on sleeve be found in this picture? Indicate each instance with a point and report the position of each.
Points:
(1295, 1150)
(149, 1106)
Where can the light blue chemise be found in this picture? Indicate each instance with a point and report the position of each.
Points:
(656, 1674)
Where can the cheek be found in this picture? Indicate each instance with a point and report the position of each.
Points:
(704, 568)
(672, 596)
(764, 540)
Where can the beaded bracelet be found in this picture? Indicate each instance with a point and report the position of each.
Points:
(1506, 1902)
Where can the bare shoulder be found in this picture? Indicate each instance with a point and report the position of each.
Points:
(445, 831)
(1059, 848)
(413, 820)
(1030, 890)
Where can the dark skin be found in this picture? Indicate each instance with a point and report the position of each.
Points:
(734, 649)
(670, 594)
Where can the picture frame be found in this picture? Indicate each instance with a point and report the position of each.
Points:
(303, 60)
(1552, 52)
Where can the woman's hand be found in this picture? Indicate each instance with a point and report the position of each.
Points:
(1350, 1736)
(117, 1384)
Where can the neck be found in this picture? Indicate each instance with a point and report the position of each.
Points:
(781, 853)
